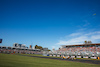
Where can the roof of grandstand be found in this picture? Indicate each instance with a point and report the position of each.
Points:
(87, 44)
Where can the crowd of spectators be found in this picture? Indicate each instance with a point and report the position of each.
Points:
(83, 51)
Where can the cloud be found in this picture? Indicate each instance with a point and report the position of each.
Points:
(71, 41)
(79, 38)
(96, 37)
(91, 33)
(56, 47)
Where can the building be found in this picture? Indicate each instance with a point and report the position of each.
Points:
(19, 45)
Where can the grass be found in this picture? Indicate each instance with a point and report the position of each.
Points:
(38, 55)
(11, 60)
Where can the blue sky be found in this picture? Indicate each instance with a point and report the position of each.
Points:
(49, 23)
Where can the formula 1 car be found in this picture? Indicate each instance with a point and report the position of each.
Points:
(67, 57)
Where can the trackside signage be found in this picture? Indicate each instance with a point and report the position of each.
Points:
(93, 57)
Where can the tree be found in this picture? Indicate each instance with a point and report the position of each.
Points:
(38, 47)
(89, 42)
(85, 42)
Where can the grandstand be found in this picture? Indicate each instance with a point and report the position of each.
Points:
(87, 50)
(19, 48)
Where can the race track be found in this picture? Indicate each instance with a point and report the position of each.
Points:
(75, 60)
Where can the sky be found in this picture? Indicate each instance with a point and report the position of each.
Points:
(49, 23)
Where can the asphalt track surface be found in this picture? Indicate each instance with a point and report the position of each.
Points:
(74, 60)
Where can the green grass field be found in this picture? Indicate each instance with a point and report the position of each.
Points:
(38, 55)
(11, 60)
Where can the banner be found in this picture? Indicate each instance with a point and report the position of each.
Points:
(0, 40)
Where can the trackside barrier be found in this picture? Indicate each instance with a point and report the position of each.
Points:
(85, 57)
(93, 57)
(58, 55)
(44, 54)
(50, 55)
(54, 55)
(78, 56)
(74, 56)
